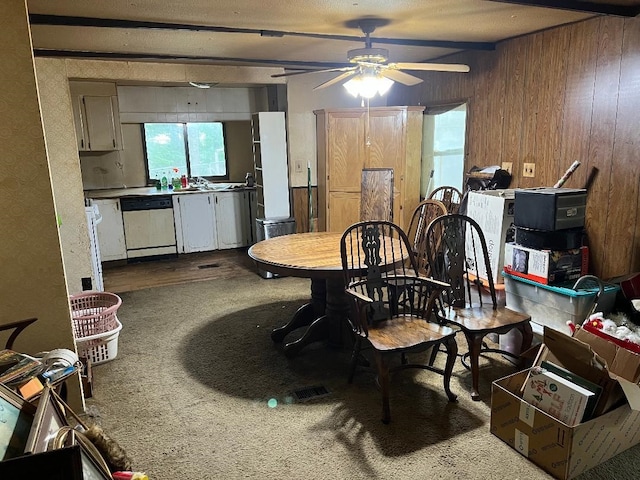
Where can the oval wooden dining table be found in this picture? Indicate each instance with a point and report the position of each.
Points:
(313, 255)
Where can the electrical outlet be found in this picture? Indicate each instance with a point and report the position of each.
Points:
(529, 170)
(508, 166)
(298, 167)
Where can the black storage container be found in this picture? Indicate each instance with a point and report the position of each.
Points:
(550, 209)
(555, 240)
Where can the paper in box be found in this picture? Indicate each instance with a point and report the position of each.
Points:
(562, 450)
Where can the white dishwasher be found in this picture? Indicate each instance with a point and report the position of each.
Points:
(149, 229)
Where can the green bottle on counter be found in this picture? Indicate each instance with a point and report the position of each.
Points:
(164, 181)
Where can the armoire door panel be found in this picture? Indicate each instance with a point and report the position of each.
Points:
(344, 210)
(346, 146)
(386, 138)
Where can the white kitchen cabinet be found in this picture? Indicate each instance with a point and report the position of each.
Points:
(233, 219)
(195, 222)
(270, 164)
(111, 230)
(97, 123)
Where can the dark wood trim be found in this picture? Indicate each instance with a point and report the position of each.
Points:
(69, 21)
(579, 6)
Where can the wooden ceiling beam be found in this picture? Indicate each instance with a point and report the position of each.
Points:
(578, 6)
(61, 20)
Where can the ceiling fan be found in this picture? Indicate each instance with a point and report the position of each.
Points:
(372, 62)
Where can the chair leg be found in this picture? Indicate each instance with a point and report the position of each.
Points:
(475, 346)
(452, 354)
(383, 380)
(434, 354)
(355, 354)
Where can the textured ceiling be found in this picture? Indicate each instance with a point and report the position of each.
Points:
(478, 21)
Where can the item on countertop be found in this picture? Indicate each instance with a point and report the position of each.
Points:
(164, 182)
(184, 182)
(249, 180)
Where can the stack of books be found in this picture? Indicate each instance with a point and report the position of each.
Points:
(560, 393)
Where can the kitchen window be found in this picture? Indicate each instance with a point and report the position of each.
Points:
(194, 149)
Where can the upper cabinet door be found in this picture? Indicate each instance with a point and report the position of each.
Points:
(100, 123)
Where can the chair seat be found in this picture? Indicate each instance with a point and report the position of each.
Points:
(479, 319)
(406, 332)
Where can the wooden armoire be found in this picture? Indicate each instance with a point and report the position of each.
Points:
(351, 139)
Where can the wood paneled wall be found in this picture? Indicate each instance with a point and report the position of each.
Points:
(300, 200)
(566, 94)
(550, 98)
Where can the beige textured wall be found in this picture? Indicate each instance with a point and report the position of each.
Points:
(302, 100)
(60, 138)
(32, 283)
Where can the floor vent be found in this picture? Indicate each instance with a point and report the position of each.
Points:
(310, 392)
(209, 265)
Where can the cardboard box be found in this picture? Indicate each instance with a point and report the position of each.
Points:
(564, 451)
(559, 449)
(622, 363)
(549, 267)
(493, 210)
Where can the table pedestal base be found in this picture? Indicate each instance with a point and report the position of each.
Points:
(323, 317)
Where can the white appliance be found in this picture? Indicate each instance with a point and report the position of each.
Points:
(149, 228)
(93, 219)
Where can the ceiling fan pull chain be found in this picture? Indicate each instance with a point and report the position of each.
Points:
(368, 141)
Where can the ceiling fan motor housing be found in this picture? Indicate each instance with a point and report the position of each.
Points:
(369, 55)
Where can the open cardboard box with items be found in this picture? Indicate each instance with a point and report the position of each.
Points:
(562, 450)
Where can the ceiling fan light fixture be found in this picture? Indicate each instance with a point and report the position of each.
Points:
(367, 85)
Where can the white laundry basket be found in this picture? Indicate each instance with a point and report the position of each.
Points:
(101, 347)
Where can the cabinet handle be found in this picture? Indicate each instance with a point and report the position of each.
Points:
(82, 143)
(114, 143)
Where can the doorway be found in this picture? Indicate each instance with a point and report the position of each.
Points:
(443, 142)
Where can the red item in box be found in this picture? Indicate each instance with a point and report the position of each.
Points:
(593, 327)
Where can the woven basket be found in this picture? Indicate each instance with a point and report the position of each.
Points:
(94, 313)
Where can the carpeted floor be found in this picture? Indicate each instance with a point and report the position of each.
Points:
(199, 391)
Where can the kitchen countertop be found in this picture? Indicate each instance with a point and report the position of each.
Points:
(152, 191)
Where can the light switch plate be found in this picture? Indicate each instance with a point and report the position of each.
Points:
(529, 170)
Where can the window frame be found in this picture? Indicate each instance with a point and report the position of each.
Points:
(212, 178)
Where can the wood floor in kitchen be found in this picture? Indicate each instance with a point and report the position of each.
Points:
(122, 277)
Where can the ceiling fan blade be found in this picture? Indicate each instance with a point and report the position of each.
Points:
(400, 77)
(438, 67)
(337, 79)
(300, 72)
